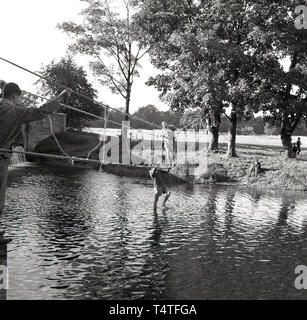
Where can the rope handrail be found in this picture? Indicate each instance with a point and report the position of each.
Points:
(73, 108)
(105, 107)
(76, 92)
(83, 96)
(84, 112)
(111, 121)
(59, 157)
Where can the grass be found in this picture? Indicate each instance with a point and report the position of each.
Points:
(278, 173)
(77, 144)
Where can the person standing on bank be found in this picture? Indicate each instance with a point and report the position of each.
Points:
(299, 144)
(168, 142)
(12, 117)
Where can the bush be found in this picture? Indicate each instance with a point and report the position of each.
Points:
(215, 173)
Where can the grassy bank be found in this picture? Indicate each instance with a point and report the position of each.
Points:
(278, 173)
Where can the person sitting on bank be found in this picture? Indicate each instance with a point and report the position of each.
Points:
(12, 116)
(255, 169)
(159, 178)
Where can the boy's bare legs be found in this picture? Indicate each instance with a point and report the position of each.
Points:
(166, 198)
(157, 196)
(169, 156)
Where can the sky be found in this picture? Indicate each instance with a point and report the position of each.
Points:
(29, 37)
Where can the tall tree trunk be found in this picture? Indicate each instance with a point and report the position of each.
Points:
(287, 128)
(286, 140)
(213, 125)
(213, 139)
(232, 135)
(128, 97)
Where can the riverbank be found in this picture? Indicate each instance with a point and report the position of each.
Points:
(84, 145)
(277, 172)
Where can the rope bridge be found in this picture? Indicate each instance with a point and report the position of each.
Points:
(106, 120)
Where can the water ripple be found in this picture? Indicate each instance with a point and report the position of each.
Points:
(80, 234)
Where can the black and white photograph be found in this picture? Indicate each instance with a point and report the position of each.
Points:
(153, 150)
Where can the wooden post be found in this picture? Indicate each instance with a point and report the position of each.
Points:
(3, 272)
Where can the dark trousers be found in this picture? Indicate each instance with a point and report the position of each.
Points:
(4, 168)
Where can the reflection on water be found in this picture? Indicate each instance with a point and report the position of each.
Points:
(81, 234)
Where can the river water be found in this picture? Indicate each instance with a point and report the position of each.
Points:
(81, 234)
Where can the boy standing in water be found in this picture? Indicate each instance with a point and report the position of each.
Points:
(159, 178)
(12, 117)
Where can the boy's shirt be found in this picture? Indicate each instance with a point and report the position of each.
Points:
(159, 177)
(12, 117)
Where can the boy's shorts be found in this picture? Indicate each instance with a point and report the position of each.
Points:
(161, 190)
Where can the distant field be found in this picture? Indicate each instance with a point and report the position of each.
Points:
(263, 140)
(273, 141)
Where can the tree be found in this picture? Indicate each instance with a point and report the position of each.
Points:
(283, 90)
(205, 52)
(113, 40)
(148, 113)
(271, 130)
(152, 114)
(191, 116)
(67, 73)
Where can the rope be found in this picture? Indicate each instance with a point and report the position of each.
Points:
(55, 138)
(105, 124)
(144, 150)
(111, 121)
(189, 124)
(59, 157)
(74, 109)
(106, 117)
(82, 111)
(75, 92)
(83, 96)
(104, 131)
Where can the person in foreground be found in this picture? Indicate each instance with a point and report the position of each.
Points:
(159, 178)
(12, 116)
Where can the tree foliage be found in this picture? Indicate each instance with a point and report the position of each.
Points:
(67, 73)
(149, 113)
(227, 55)
(205, 50)
(112, 39)
(283, 89)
